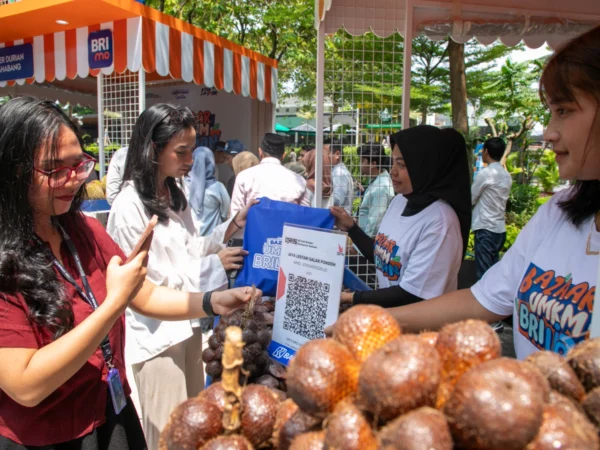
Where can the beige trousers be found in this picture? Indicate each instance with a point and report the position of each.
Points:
(166, 381)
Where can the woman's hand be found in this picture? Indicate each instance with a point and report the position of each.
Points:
(123, 281)
(223, 302)
(232, 257)
(346, 297)
(240, 218)
(343, 221)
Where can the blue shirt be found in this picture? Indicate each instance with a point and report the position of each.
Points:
(375, 202)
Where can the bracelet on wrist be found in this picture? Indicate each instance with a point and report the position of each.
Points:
(207, 305)
(235, 223)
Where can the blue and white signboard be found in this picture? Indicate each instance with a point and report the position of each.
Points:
(100, 49)
(308, 288)
(16, 62)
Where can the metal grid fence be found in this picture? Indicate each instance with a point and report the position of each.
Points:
(121, 108)
(363, 79)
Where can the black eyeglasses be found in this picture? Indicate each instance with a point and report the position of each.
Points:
(59, 177)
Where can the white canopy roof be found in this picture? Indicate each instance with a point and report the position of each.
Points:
(532, 21)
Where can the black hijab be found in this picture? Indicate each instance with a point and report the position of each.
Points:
(437, 164)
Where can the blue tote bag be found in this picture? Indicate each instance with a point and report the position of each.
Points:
(262, 239)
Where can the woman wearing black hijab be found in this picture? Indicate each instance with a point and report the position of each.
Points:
(422, 239)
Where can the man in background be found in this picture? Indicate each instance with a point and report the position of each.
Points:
(114, 176)
(269, 179)
(341, 178)
(489, 194)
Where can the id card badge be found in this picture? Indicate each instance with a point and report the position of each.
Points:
(116, 390)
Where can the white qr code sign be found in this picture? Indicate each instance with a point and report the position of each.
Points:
(308, 288)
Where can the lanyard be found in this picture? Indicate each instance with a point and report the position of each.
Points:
(88, 295)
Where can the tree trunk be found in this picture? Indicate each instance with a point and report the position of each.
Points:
(509, 144)
(424, 116)
(458, 86)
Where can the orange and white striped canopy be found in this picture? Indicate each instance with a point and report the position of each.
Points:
(159, 44)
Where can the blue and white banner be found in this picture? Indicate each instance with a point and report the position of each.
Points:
(16, 62)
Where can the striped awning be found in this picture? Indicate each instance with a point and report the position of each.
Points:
(167, 48)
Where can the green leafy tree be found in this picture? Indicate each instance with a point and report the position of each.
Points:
(511, 94)
(547, 172)
(280, 30)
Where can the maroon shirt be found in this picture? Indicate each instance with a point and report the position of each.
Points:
(78, 406)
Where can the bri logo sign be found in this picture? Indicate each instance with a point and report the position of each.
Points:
(100, 49)
(554, 311)
(280, 353)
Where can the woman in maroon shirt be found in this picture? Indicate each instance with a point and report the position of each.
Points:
(63, 290)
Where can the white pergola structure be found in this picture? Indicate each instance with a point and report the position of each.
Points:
(533, 22)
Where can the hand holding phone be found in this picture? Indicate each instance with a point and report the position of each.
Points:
(145, 240)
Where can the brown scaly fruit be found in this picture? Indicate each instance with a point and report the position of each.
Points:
(422, 429)
(309, 441)
(557, 398)
(321, 374)
(564, 428)
(497, 405)
(402, 375)
(558, 372)
(297, 424)
(103, 183)
(233, 442)
(584, 358)
(364, 329)
(286, 409)
(214, 394)
(191, 425)
(591, 405)
(259, 412)
(430, 337)
(463, 345)
(348, 429)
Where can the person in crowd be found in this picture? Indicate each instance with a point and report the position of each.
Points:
(423, 236)
(304, 150)
(114, 176)
(269, 179)
(489, 195)
(166, 356)
(554, 260)
(243, 161)
(208, 197)
(294, 165)
(64, 288)
(374, 164)
(342, 181)
(309, 162)
(232, 148)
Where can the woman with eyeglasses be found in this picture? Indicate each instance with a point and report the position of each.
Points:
(64, 288)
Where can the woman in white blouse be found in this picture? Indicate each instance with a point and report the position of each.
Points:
(166, 356)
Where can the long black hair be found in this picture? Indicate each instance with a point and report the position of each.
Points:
(152, 132)
(26, 126)
(576, 66)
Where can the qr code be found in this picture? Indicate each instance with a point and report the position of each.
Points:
(306, 307)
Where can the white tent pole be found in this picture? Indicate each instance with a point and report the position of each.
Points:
(320, 113)
(100, 93)
(408, 36)
(357, 126)
(142, 90)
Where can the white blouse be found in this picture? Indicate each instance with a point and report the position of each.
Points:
(179, 258)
